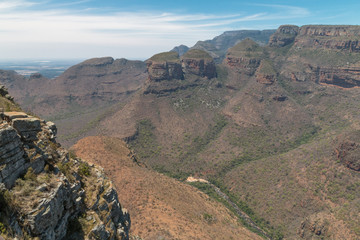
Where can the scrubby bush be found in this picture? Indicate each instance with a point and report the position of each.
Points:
(84, 169)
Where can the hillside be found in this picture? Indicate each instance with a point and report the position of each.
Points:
(262, 128)
(45, 193)
(82, 95)
(218, 46)
(160, 207)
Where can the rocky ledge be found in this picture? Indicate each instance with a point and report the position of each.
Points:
(164, 66)
(46, 193)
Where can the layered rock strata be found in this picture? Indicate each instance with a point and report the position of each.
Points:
(283, 36)
(245, 57)
(326, 54)
(199, 63)
(169, 66)
(47, 194)
(164, 66)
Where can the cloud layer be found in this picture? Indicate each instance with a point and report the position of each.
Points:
(45, 29)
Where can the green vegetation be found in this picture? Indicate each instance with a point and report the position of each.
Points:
(88, 126)
(84, 169)
(327, 58)
(247, 48)
(2, 228)
(8, 105)
(66, 169)
(145, 141)
(200, 143)
(274, 233)
(197, 54)
(266, 67)
(209, 218)
(166, 57)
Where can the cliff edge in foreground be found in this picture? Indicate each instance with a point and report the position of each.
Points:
(46, 193)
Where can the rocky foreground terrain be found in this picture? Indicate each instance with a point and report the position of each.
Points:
(46, 193)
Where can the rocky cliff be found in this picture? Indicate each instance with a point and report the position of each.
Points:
(329, 37)
(265, 73)
(245, 57)
(167, 72)
(283, 36)
(47, 193)
(199, 63)
(164, 66)
(326, 54)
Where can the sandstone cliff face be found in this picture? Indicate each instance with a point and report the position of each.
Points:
(243, 64)
(164, 66)
(318, 36)
(321, 53)
(160, 71)
(330, 37)
(245, 57)
(168, 65)
(199, 63)
(47, 194)
(265, 74)
(283, 36)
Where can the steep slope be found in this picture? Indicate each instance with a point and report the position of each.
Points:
(81, 96)
(160, 207)
(47, 194)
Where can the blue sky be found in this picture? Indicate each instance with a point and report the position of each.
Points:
(137, 29)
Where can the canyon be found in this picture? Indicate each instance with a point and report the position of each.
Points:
(273, 125)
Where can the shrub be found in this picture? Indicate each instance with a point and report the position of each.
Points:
(84, 169)
(2, 228)
(30, 175)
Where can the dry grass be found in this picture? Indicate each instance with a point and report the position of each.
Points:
(160, 206)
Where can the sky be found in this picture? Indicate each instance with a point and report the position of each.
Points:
(138, 29)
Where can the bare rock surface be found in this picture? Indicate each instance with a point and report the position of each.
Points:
(46, 193)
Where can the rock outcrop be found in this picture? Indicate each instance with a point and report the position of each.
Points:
(348, 153)
(199, 63)
(5, 93)
(45, 193)
(164, 66)
(337, 37)
(325, 54)
(245, 57)
(283, 36)
(168, 65)
(265, 74)
(329, 37)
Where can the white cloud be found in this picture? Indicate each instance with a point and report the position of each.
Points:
(27, 29)
(7, 5)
